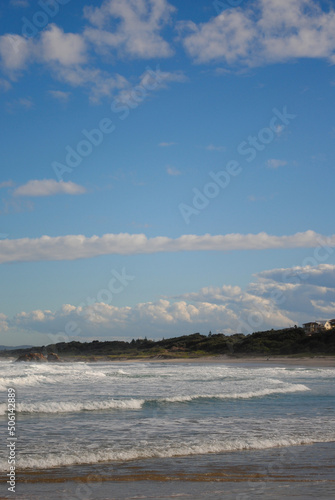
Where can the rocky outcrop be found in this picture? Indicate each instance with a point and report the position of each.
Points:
(53, 357)
(32, 356)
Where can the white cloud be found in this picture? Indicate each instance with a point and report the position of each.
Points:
(59, 95)
(305, 293)
(15, 52)
(66, 55)
(268, 32)
(276, 163)
(166, 144)
(321, 275)
(271, 301)
(211, 147)
(278, 298)
(149, 81)
(48, 187)
(4, 85)
(273, 163)
(163, 78)
(19, 3)
(22, 103)
(74, 247)
(130, 27)
(279, 129)
(227, 36)
(100, 84)
(245, 310)
(66, 49)
(100, 319)
(173, 171)
(52, 47)
(6, 184)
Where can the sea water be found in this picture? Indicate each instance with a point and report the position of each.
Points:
(167, 420)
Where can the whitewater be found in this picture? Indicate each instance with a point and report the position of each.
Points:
(91, 413)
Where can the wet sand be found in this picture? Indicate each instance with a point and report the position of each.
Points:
(299, 472)
(317, 361)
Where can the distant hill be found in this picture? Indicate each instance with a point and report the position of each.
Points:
(11, 348)
(288, 341)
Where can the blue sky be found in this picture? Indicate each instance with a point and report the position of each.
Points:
(166, 167)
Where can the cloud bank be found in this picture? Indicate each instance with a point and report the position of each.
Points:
(265, 32)
(252, 34)
(73, 247)
(276, 298)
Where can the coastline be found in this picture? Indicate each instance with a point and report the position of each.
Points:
(315, 361)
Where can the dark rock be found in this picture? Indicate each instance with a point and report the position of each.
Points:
(53, 357)
(32, 356)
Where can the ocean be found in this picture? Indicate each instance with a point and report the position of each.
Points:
(169, 430)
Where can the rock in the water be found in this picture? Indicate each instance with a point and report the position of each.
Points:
(53, 357)
(32, 356)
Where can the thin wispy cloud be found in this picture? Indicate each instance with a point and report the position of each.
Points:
(48, 187)
(14, 205)
(166, 144)
(25, 103)
(73, 247)
(173, 171)
(5, 85)
(211, 147)
(275, 163)
(6, 184)
(59, 95)
(19, 3)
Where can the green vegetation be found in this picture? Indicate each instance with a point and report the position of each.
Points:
(289, 341)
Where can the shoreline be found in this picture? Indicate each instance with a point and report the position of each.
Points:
(228, 475)
(315, 361)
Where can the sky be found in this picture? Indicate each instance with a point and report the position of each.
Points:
(166, 167)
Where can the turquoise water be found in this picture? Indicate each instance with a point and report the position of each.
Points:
(169, 421)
